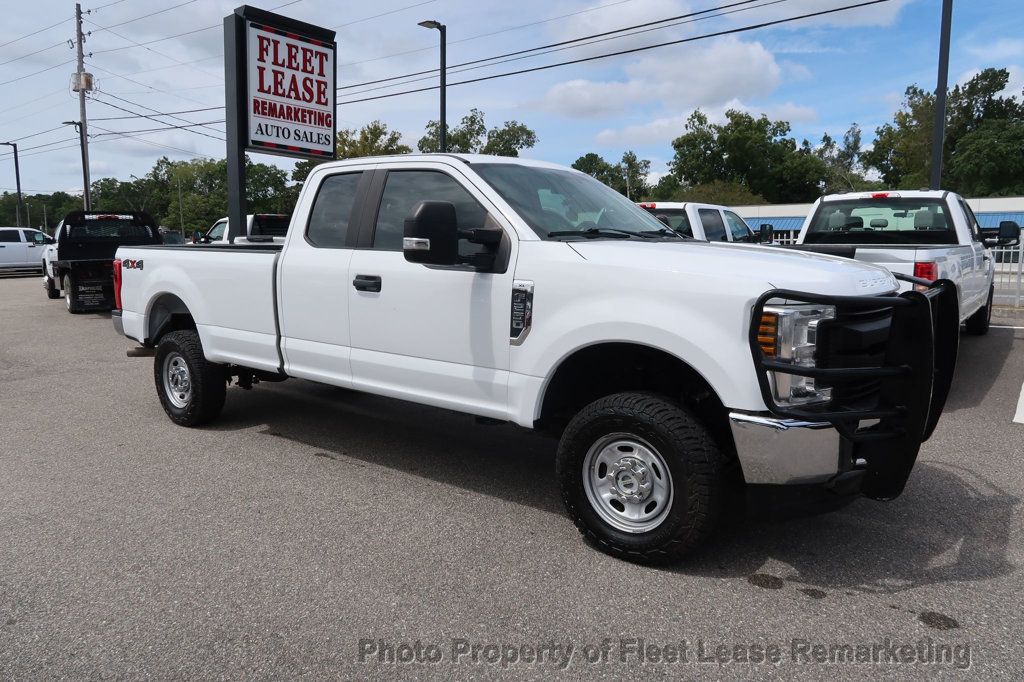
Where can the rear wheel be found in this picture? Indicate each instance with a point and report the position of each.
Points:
(70, 294)
(191, 389)
(978, 323)
(52, 292)
(641, 477)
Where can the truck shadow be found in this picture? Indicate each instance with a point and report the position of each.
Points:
(950, 524)
(979, 363)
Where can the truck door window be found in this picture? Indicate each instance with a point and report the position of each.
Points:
(738, 227)
(972, 221)
(332, 212)
(9, 236)
(714, 228)
(33, 237)
(217, 231)
(404, 189)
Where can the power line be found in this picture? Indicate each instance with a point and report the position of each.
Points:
(33, 53)
(491, 33)
(568, 44)
(29, 35)
(146, 16)
(166, 113)
(150, 49)
(155, 130)
(624, 52)
(49, 68)
(149, 142)
(156, 120)
(25, 137)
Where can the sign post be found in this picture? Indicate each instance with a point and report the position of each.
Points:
(280, 84)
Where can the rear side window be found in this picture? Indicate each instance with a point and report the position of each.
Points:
(405, 189)
(9, 236)
(332, 212)
(676, 219)
(714, 228)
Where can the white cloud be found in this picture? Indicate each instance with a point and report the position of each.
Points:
(704, 76)
(999, 50)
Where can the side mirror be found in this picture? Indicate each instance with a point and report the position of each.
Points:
(431, 234)
(1008, 234)
(767, 234)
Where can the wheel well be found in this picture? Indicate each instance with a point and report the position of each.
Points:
(168, 313)
(597, 371)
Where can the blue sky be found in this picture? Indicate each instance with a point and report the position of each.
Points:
(820, 74)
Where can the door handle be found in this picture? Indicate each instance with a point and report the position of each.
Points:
(367, 282)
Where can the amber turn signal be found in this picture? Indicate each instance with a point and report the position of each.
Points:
(768, 334)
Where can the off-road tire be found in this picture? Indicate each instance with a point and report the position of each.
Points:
(208, 383)
(697, 466)
(978, 323)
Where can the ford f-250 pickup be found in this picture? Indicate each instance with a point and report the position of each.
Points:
(930, 234)
(671, 369)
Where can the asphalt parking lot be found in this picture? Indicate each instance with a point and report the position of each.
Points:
(314, 531)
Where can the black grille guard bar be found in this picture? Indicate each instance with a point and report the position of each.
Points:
(913, 380)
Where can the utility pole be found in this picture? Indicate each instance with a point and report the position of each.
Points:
(46, 224)
(83, 84)
(17, 179)
(939, 128)
(443, 129)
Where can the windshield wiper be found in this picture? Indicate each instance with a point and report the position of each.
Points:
(594, 233)
(663, 232)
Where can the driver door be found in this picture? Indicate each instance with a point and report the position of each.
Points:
(436, 335)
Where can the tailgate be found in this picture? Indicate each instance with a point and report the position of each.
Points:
(896, 259)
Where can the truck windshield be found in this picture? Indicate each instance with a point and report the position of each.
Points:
(561, 204)
(881, 221)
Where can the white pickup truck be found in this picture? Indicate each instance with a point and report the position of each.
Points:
(929, 234)
(671, 369)
(709, 222)
(265, 227)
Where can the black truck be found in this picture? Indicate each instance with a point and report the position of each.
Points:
(81, 263)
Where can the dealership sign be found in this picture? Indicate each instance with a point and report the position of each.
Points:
(285, 80)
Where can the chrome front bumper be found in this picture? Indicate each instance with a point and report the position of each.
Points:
(778, 451)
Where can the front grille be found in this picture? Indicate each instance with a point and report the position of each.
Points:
(855, 338)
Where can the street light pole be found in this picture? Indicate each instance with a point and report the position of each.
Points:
(939, 127)
(443, 134)
(17, 179)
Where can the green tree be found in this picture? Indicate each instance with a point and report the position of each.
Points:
(718, 192)
(756, 153)
(901, 153)
(471, 136)
(628, 177)
(373, 139)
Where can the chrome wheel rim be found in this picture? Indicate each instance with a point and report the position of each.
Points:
(627, 483)
(177, 380)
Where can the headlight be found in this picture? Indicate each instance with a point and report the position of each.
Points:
(789, 334)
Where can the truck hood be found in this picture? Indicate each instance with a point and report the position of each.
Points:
(764, 266)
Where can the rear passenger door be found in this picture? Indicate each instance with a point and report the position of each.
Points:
(714, 226)
(314, 281)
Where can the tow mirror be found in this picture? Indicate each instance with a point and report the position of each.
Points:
(431, 234)
(1009, 233)
(767, 234)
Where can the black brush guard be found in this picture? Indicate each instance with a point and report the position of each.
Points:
(886, 358)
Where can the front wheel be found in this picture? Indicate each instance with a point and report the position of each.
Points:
(191, 389)
(641, 477)
(978, 323)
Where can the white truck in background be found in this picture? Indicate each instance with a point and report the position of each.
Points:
(673, 371)
(259, 227)
(710, 222)
(930, 234)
